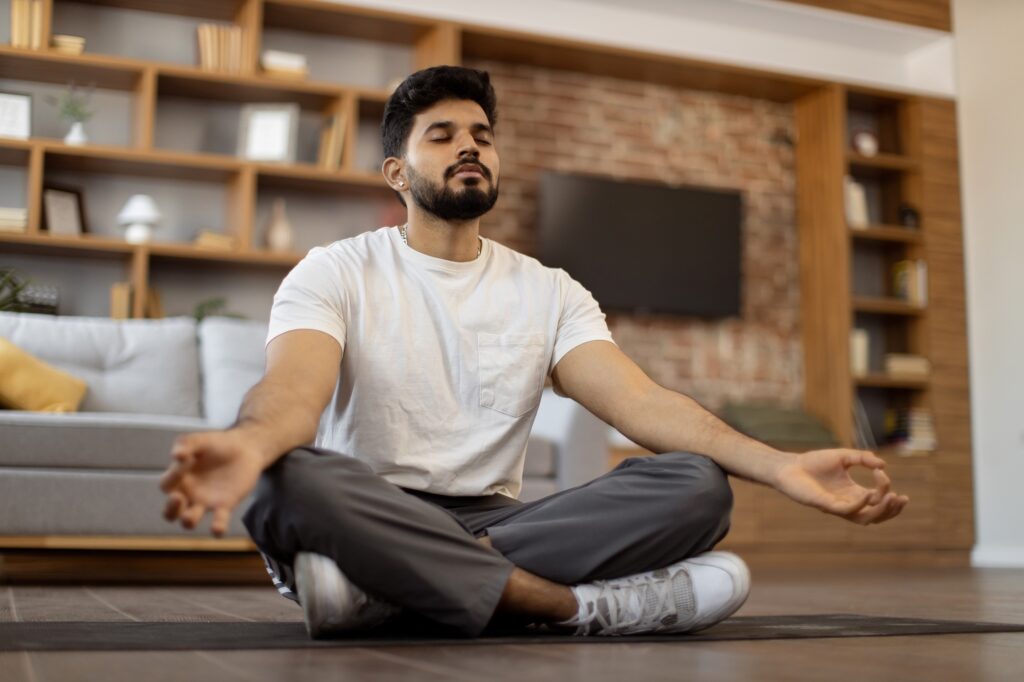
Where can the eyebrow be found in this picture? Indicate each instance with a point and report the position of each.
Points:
(476, 127)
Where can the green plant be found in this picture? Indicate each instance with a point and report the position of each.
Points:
(73, 103)
(213, 306)
(11, 286)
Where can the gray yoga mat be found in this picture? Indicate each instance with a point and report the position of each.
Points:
(154, 636)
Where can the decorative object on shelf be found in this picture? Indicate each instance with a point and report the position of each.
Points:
(13, 220)
(909, 216)
(121, 300)
(214, 306)
(268, 132)
(63, 211)
(140, 215)
(154, 306)
(863, 435)
(864, 142)
(73, 107)
(910, 281)
(907, 365)
(220, 47)
(287, 65)
(332, 141)
(15, 115)
(855, 199)
(210, 239)
(859, 351)
(27, 24)
(66, 44)
(280, 236)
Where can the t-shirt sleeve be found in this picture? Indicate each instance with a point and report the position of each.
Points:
(310, 297)
(580, 319)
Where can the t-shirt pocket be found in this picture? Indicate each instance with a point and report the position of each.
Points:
(511, 371)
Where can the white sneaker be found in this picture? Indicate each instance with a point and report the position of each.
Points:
(687, 596)
(331, 602)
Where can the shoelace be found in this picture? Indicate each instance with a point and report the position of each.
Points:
(650, 595)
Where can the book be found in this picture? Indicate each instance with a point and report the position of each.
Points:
(907, 364)
(36, 25)
(154, 306)
(286, 74)
(332, 141)
(208, 239)
(856, 204)
(121, 300)
(20, 20)
(910, 430)
(279, 59)
(910, 281)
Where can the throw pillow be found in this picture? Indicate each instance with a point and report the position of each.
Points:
(28, 383)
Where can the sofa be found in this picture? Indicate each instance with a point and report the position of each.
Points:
(95, 472)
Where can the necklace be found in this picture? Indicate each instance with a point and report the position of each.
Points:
(403, 228)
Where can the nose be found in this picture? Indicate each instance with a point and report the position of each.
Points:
(468, 147)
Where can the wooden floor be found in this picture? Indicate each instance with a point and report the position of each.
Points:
(951, 593)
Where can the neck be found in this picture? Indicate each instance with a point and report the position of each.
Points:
(452, 240)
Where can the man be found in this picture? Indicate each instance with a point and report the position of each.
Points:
(416, 356)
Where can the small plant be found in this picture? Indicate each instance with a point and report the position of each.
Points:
(213, 306)
(11, 286)
(73, 103)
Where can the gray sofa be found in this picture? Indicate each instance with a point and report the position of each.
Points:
(96, 472)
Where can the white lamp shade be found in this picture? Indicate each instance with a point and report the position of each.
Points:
(139, 209)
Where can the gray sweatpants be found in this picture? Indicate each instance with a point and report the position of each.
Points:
(417, 550)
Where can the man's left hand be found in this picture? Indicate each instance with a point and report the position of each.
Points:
(821, 479)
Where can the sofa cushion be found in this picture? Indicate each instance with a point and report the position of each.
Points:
(96, 440)
(28, 383)
(233, 359)
(138, 366)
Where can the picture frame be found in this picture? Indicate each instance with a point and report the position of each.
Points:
(268, 132)
(15, 115)
(64, 211)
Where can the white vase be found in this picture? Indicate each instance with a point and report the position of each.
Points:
(279, 232)
(76, 136)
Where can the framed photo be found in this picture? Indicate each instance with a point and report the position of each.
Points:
(15, 115)
(63, 211)
(268, 132)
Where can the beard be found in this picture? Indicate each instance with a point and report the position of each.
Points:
(448, 204)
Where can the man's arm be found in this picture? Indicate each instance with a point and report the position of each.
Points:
(212, 471)
(604, 380)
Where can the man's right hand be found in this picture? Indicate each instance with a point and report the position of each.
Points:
(212, 471)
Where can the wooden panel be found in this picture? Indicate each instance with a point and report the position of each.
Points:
(35, 190)
(52, 67)
(441, 45)
(321, 16)
(241, 208)
(824, 258)
(140, 281)
(927, 13)
(145, 109)
(223, 10)
(250, 17)
(482, 42)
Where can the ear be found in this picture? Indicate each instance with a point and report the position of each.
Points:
(394, 174)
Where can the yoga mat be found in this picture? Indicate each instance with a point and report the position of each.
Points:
(177, 635)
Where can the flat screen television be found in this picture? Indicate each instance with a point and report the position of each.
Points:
(643, 247)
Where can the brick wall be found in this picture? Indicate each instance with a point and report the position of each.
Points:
(576, 122)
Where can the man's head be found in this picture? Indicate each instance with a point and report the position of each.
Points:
(438, 135)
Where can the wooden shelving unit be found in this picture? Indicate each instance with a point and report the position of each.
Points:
(917, 163)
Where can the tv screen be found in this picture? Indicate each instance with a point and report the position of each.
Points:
(644, 247)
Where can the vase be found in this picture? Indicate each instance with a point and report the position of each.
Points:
(279, 232)
(76, 136)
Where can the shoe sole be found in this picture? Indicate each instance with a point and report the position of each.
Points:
(741, 584)
(314, 612)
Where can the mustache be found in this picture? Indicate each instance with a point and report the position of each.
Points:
(476, 165)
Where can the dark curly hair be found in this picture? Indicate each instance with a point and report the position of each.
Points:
(424, 89)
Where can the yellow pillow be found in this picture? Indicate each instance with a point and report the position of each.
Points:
(28, 383)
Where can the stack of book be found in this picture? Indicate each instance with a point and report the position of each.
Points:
(910, 281)
(910, 430)
(208, 239)
(332, 141)
(288, 65)
(220, 47)
(68, 44)
(907, 365)
(27, 23)
(13, 219)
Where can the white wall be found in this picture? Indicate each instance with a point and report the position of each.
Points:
(989, 63)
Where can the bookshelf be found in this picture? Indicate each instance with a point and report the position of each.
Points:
(355, 52)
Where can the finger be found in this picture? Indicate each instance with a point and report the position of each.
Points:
(175, 500)
(172, 477)
(876, 513)
(851, 506)
(221, 517)
(864, 458)
(190, 517)
(882, 486)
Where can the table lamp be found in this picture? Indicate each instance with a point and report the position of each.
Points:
(139, 215)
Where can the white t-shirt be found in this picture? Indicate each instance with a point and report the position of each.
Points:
(443, 362)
